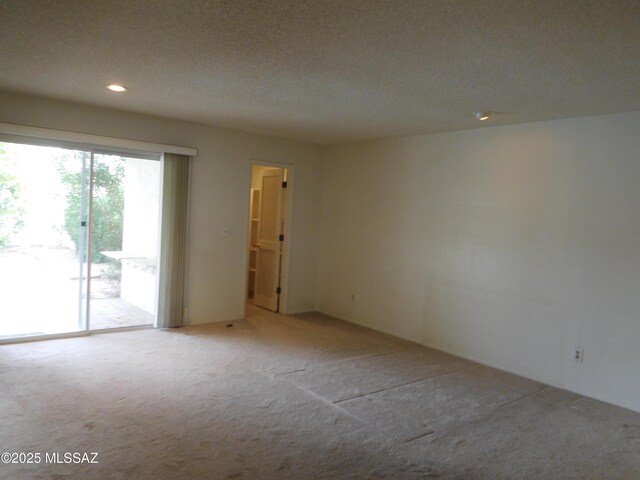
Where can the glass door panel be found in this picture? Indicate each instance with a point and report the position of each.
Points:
(125, 217)
(43, 238)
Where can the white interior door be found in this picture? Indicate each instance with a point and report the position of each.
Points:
(268, 246)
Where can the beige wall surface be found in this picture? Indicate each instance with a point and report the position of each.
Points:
(513, 246)
(219, 196)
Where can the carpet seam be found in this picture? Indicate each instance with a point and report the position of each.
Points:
(546, 387)
(405, 384)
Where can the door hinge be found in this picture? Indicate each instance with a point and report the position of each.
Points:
(284, 184)
(281, 238)
(278, 291)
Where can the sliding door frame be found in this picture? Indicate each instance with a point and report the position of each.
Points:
(150, 156)
(27, 134)
(89, 239)
(85, 240)
(87, 232)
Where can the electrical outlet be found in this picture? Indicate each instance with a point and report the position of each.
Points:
(578, 355)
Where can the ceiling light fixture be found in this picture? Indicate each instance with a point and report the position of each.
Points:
(116, 88)
(481, 115)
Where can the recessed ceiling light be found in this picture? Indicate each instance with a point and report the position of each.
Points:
(482, 115)
(116, 88)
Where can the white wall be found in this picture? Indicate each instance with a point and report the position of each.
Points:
(221, 179)
(509, 245)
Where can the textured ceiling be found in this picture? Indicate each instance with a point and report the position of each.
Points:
(329, 71)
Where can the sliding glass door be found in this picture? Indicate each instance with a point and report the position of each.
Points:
(78, 240)
(43, 239)
(125, 212)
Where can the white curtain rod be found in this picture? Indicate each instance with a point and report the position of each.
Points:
(97, 140)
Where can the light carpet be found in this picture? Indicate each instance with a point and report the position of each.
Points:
(301, 397)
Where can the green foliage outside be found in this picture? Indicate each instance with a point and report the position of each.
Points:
(108, 205)
(10, 205)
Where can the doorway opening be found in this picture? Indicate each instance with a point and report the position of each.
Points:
(267, 239)
(79, 233)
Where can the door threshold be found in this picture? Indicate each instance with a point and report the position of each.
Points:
(61, 336)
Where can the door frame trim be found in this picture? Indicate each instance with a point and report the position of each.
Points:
(284, 269)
